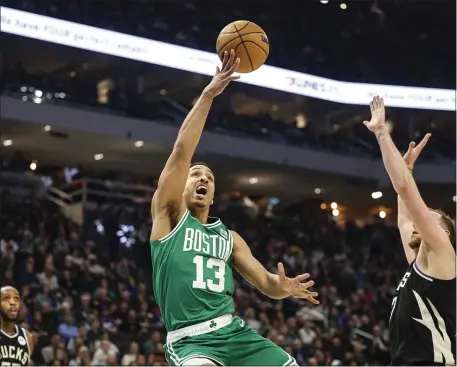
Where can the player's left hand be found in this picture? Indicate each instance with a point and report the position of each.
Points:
(413, 152)
(224, 75)
(377, 124)
(294, 286)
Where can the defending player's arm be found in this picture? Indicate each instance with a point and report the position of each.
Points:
(405, 224)
(403, 182)
(272, 285)
(406, 228)
(168, 197)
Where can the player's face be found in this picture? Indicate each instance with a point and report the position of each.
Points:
(10, 304)
(415, 240)
(199, 191)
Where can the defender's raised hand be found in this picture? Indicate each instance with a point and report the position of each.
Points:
(294, 286)
(223, 75)
(378, 116)
(413, 151)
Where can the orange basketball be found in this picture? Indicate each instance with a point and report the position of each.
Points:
(248, 40)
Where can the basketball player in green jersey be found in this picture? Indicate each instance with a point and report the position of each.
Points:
(193, 256)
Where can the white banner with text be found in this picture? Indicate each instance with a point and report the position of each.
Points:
(183, 58)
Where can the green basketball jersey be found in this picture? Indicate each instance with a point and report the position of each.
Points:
(192, 272)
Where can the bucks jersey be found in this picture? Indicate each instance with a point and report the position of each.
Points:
(422, 320)
(14, 349)
(192, 272)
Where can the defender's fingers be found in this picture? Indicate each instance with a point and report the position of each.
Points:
(423, 142)
(307, 284)
(281, 272)
(302, 277)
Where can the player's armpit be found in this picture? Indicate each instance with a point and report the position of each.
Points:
(253, 271)
(425, 222)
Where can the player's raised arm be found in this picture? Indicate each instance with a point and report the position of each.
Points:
(168, 197)
(406, 229)
(435, 237)
(405, 224)
(272, 285)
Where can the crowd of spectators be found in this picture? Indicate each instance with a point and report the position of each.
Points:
(85, 306)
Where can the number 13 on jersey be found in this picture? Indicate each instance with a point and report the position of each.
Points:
(214, 285)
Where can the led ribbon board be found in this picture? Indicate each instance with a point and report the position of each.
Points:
(183, 58)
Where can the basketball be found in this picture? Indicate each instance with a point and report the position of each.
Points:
(249, 42)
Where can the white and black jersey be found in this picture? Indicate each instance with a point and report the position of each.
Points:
(422, 320)
(14, 349)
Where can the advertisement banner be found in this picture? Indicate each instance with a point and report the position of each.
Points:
(183, 58)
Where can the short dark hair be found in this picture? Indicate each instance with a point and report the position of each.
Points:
(448, 224)
(193, 164)
(5, 287)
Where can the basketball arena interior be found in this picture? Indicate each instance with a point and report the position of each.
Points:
(93, 96)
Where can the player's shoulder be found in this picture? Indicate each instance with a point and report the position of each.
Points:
(437, 266)
(234, 234)
(238, 242)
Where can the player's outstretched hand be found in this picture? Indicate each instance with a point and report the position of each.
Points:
(377, 124)
(294, 286)
(224, 75)
(413, 152)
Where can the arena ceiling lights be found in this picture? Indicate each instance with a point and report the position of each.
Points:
(154, 52)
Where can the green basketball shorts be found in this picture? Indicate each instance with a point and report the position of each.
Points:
(226, 340)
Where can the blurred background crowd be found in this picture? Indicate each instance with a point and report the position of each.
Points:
(74, 235)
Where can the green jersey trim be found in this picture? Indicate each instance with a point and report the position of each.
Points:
(230, 246)
(177, 228)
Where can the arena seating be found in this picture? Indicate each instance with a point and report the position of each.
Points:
(347, 136)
